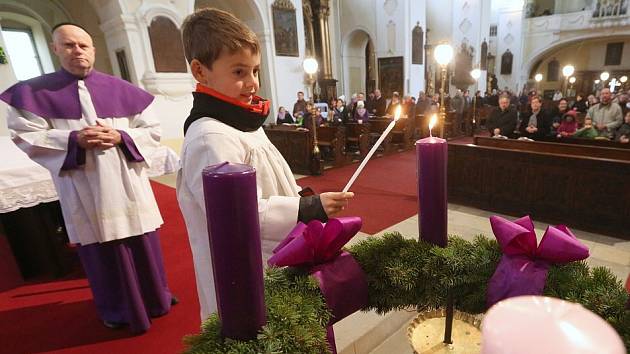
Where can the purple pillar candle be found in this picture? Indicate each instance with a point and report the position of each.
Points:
(234, 234)
(432, 157)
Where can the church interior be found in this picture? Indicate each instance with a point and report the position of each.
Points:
(447, 120)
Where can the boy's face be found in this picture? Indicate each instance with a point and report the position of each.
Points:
(234, 75)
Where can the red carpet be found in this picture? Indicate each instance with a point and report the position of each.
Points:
(384, 194)
(59, 316)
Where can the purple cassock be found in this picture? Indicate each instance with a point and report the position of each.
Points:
(126, 275)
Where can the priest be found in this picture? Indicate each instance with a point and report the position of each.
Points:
(95, 134)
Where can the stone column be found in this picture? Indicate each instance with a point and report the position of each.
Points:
(309, 35)
(328, 84)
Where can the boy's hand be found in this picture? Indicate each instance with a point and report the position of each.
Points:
(334, 202)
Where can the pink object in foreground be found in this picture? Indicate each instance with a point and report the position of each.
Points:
(538, 324)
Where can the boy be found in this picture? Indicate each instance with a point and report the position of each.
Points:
(225, 124)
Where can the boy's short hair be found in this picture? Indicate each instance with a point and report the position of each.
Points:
(207, 32)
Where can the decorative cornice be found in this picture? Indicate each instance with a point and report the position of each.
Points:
(125, 23)
(307, 10)
(283, 4)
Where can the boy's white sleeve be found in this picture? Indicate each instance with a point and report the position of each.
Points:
(277, 214)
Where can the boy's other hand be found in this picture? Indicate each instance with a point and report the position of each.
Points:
(334, 202)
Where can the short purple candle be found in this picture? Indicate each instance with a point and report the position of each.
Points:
(432, 154)
(234, 234)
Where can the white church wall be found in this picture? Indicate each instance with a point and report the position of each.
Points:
(470, 27)
(286, 74)
(439, 21)
(391, 25)
(509, 32)
(415, 72)
(357, 23)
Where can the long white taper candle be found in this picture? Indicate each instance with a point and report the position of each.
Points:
(373, 150)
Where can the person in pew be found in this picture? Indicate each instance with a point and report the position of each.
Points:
(622, 134)
(538, 123)
(370, 103)
(361, 115)
(314, 116)
(580, 104)
(380, 104)
(422, 103)
(588, 131)
(557, 116)
(606, 115)
(360, 97)
(502, 120)
(284, 117)
(393, 104)
(300, 105)
(95, 133)
(569, 124)
(622, 101)
(225, 124)
(304, 118)
(560, 109)
(340, 113)
(408, 107)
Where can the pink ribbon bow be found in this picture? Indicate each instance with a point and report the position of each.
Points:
(315, 243)
(524, 265)
(318, 247)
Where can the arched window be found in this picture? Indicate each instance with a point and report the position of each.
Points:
(167, 46)
(417, 44)
(553, 70)
(506, 63)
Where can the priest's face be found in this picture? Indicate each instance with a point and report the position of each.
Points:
(232, 74)
(75, 50)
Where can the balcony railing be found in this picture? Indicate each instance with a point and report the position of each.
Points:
(605, 9)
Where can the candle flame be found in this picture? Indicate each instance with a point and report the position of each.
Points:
(397, 113)
(433, 121)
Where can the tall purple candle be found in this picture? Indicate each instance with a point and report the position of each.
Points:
(234, 234)
(432, 157)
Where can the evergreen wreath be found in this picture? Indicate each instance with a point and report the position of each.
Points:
(403, 273)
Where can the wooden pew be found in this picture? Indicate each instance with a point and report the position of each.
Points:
(584, 141)
(377, 127)
(402, 133)
(334, 138)
(555, 148)
(358, 136)
(296, 146)
(584, 187)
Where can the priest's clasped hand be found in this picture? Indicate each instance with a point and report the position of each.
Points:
(100, 136)
(334, 202)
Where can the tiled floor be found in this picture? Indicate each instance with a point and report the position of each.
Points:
(370, 333)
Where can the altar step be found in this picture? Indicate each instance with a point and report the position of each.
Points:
(368, 332)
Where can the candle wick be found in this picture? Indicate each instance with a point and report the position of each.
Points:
(430, 133)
